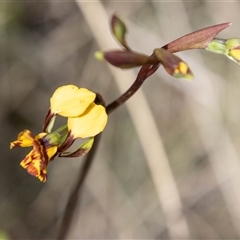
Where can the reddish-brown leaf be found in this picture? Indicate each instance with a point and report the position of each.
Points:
(196, 40)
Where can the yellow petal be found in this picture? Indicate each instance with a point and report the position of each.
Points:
(51, 151)
(89, 124)
(182, 71)
(40, 135)
(38, 169)
(24, 139)
(36, 163)
(235, 53)
(27, 160)
(71, 101)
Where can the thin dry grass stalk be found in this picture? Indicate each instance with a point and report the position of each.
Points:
(157, 160)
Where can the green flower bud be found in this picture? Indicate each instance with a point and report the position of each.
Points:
(233, 43)
(217, 46)
(52, 139)
(119, 30)
(230, 48)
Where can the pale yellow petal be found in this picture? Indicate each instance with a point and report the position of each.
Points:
(89, 124)
(71, 101)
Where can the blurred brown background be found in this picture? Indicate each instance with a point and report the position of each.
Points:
(188, 189)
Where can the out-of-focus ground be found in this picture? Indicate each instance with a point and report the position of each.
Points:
(44, 45)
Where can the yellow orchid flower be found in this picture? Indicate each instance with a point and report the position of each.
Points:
(85, 120)
(37, 160)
